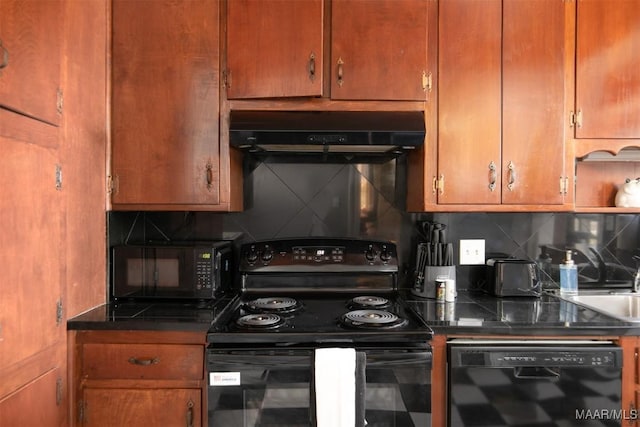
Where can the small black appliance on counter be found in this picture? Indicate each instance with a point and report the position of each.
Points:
(509, 277)
(171, 271)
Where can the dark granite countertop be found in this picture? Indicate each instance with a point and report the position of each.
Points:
(160, 316)
(476, 313)
(471, 314)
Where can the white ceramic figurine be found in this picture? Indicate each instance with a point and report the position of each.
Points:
(628, 195)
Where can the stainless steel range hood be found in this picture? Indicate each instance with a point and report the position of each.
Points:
(351, 135)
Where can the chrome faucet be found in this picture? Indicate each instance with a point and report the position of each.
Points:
(636, 278)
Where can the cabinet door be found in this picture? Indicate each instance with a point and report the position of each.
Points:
(165, 107)
(37, 404)
(30, 41)
(274, 48)
(31, 214)
(533, 101)
(608, 60)
(117, 407)
(469, 101)
(379, 49)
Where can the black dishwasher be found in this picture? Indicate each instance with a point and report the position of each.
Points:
(518, 383)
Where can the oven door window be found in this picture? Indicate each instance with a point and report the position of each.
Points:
(251, 389)
(259, 388)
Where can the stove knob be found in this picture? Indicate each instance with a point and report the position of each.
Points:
(385, 255)
(267, 255)
(370, 254)
(252, 256)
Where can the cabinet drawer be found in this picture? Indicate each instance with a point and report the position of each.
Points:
(143, 361)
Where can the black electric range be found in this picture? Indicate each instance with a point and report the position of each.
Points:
(319, 327)
(318, 291)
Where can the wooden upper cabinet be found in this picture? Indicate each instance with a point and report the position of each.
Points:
(274, 48)
(30, 55)
(535, 62)
(469, 101)
(501, 102)
(165, 104)
(607, 77)
(377, 49)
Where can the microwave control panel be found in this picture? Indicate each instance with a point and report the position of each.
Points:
(204, 266)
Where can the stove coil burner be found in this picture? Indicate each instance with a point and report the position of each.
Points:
(372, 319)
(260, 321)
(280, 305)
(367, 301)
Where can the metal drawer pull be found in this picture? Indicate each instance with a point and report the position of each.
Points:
(209, 176)
(512, 176)
(340, 72)
(493, 176)
(312, 66)
(146, 361)
(190, 413)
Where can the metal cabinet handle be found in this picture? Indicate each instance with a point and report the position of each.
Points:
(312, 66)
(512, 176)
(209, 173)
(190, 413)
(4, 58)
(493, 176)
(340, 72)
(145, 361)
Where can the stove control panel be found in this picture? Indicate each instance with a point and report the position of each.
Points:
(319, 255)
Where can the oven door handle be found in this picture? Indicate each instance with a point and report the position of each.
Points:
(536, 372)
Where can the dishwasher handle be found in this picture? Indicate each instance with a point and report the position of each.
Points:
(536, 372)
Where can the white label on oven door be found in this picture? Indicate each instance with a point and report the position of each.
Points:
(224, 378)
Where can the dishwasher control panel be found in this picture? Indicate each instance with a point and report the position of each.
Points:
(488, 356)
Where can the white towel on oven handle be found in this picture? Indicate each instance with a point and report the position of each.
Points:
(335, 387)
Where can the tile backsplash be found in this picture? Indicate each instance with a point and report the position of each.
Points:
(284, 199)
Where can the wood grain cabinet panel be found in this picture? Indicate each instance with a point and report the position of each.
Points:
(501, 110)
(352, 50)
(379, 49)
(165, 106)
(142, 407)
(39, 404)
(142, 361)
(30, 57)
(274, 48)
(32, 214)
(137, 378)
(607, 77)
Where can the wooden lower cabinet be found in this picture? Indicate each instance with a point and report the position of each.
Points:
(36, 404)
(141, 407)
(139, 378)
(630, 380)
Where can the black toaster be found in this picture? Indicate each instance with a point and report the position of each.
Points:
(509, 277)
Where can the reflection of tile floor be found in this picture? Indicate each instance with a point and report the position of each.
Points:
(482, 398)
(394, 403)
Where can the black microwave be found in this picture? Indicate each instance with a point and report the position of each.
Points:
(171, 271)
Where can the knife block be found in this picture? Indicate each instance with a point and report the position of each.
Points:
(427, 289)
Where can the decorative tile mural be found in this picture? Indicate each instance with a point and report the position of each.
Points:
(285, 199)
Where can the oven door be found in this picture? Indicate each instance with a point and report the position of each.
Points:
(260, 387)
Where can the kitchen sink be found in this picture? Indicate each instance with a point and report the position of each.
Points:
(623, 306)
